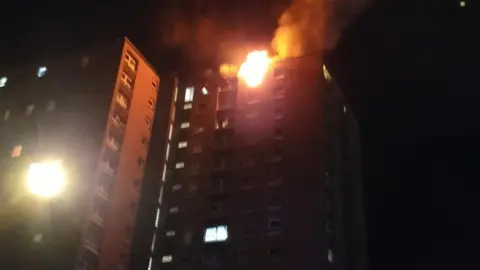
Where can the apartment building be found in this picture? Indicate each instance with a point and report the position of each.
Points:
(261, 178)
(93, 111)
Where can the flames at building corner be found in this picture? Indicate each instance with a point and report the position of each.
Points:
(255, 68)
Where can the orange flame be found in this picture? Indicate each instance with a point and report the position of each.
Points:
(254, 69)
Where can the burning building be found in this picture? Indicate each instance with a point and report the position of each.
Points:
(261, 172)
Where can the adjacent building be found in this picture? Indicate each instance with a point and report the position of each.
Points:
(261, 178)
(92, 111)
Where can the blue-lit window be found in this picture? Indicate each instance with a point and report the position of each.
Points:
(41, 71)
(216, 234)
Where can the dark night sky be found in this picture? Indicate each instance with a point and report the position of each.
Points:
(410, 70)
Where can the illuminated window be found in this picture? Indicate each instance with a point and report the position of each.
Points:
(344, 109)
(17, 151)
(170, 233)
(7, 115)
(41, 71)
(463, 3)
(50, 105)
(151, 103)
(175, 95)
(326, 74)
(148, 122)
(187, 106)
(182, 144)
(189, 91)
(330, 256)
(37, 238)
(174, 210)
(126, 80)
(160, 197)
(29, 109)
(167, 152)
(179, 165)
(185, 125)
(204, 91)
(3, 81)
(216, 234)
(199, 129)
(131, 62)
(167, 258)
(150, 263)
(152, 247)
(177, 187)
(121, 100)
(170, 131)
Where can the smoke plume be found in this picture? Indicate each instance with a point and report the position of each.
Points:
(313, 25)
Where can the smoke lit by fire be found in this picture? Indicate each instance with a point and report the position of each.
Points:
(254, 69)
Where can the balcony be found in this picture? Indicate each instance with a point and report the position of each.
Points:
(103, 192)
(90, 245)
(118, 122)
(107, 168)
(114, 144)
(99, 220)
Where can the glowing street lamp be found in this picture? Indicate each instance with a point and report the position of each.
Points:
(46, 179)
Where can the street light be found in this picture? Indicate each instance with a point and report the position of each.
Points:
(46, 179)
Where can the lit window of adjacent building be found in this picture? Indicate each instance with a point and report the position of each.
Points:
(126, 80)
(150, 263)
(164, 173)
(463, 3)
(167, 258)
(151, 103)
(204, 91)
(174, 209)
(29, 109)
(17, 151)
(189, 91)
(7, 115)
(148, 122)
(3, 81)
(121, 100)
(50, 105)
(330, 256)
(175, 95)
(152, 247)
(344, 109)
(170, 131)
(41, 71)
(131, 62)
(187, 106)
(160, 197)
(170, 233)
(216, 234)
(182, 144)
(185, 125)
(179, 165)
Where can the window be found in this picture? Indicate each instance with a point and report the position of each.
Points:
(157, 217)
(251, 115)
(274, 224)
(216, 234)
(202, 107)
(17, 151)
(170, 233)
(151, 103)
(344, 109)
(128, 232)
(170, 131)
(29, 109)
(185, 125)
(126, 80)
(84, 61)
(174, 209)
(154, 85)
(179, 165)
(7, 115)
(195, 168)
(278, 133)
(199, 129)
(50, 105)
(177, 187)
(278, 112)
(160, 197)
(167, 258)
(274, 202)
(175, 95)
(131, 62)
(148, 122)
(187, 106)
(140, 163)
(463, 3)
(182, 144)
(326, 74)
(167, 152)
(121, 100)
(37, 238)
(41, 71)
(3, 81)
(145, 142)
(330, 256)
(204, 91)
(189, 91)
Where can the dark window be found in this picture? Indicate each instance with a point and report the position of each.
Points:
(274, 252)
(278, 133)
(145, 142)
(274, 224)
(202, 107)
(140, 163)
